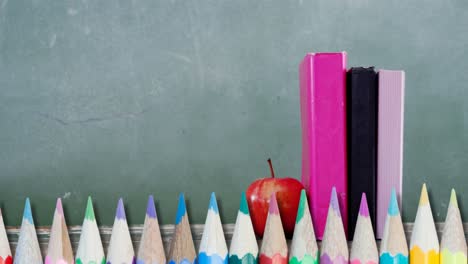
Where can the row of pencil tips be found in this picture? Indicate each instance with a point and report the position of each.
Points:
(424, 245)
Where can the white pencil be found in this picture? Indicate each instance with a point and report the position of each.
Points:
(27, 250)
(213, 248)
(59, 251)
(334, 244)
(244, 247)
(5, 252)
(120, 249)
(304, 245)
(364, 249)
(453, 244)
(90, 249)
(424, 245)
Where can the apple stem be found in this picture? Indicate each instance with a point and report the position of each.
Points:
(271, 169)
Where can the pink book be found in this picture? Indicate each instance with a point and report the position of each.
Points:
(390, 141)
(322, 78)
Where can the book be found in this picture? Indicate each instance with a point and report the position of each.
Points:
(322, 78)
(389, 141)
(361, 113)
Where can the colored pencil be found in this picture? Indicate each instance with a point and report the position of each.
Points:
(393, 248)
(362, 141)
(182, 250)
(334, 245)
(391, 96)
(151, 249)
(244, 247)
(424, 244)
(323, 118)
(120, 250)
(60, 250)
(213, 248)
(304, 246)
(27, 250)
(5, 252)
(274, 249)
(90, 249)
(453, 244)
(364, 249)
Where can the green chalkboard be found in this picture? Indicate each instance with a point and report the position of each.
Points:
(129, 98)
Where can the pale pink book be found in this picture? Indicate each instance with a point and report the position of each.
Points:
(390, 141)
(322, 78)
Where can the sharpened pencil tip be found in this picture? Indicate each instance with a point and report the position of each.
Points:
(273, 205)
(120, 213)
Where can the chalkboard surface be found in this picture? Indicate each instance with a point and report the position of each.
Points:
(129, 98)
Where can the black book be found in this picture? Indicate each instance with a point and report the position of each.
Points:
(362, 100)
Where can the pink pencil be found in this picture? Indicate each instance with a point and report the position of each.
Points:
(322, 79)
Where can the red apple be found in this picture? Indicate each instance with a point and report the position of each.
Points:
(288, 192)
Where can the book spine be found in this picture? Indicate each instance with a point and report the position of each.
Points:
(362, 141)
(322, 78)
(389, 141)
